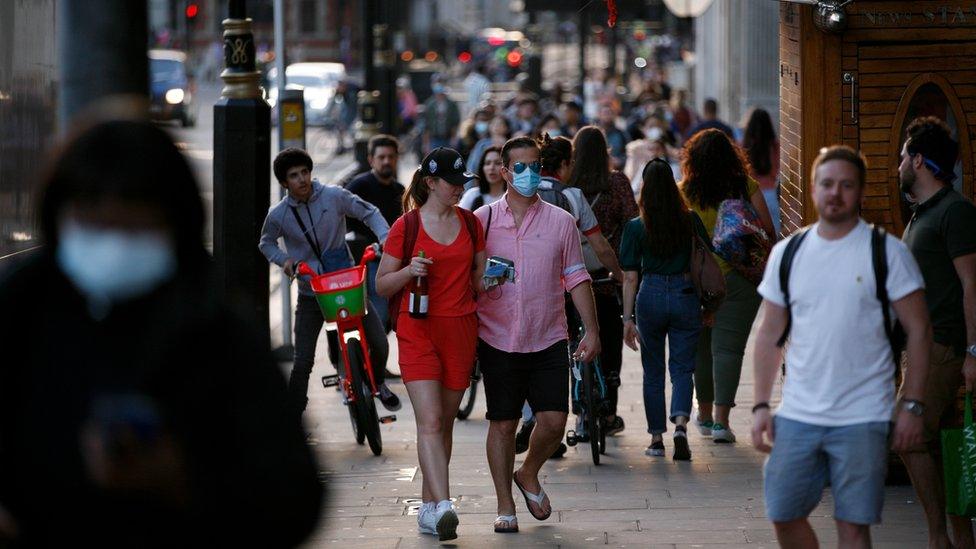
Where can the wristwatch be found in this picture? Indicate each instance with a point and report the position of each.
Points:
(971, 349)
(914, 407)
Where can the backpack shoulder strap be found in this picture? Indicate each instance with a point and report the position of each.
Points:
(411, 228)
(491, 208)
(471, 222)
(785, 264)
(879, 261)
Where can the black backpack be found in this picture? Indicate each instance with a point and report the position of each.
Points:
(879, 260)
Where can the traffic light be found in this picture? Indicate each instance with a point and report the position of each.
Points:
(192, 10)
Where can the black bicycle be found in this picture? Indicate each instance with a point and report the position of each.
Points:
(589, 402)
(467, 402)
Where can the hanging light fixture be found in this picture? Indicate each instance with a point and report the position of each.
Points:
(829, 15)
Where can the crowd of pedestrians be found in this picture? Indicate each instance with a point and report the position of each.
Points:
(656, 230)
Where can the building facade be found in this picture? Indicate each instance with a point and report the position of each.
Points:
(737, 57)
(894, 62)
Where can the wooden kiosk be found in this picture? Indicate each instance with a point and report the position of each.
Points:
(860, 86)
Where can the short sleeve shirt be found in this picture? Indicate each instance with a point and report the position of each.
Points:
(449, 277)
(942, 229)
(839, 368)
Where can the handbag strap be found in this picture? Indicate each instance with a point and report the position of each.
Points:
(314, 244)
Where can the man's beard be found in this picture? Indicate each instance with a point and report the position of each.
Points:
(839, 215)
(385, 173)
(906, 180)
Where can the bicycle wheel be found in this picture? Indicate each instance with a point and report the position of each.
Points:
(467, 404)
(368, 420)
(360, 434)
(592, 412)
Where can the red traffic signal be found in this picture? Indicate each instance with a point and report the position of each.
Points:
(192, 10)
(464, 57)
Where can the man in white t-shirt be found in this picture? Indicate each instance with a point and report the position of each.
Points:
(838, 397)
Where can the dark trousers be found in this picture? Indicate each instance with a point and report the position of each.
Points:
(308, 325)
(608, 313)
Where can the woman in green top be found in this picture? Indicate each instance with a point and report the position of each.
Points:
(716, 169)
(657, 245)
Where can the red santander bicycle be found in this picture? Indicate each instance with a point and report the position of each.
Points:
(341, 296)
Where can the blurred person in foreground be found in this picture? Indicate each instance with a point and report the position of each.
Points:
(838, 414)
(135, 409)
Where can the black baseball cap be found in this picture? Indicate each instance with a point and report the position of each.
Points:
(448, 165)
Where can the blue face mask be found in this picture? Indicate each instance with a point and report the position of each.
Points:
(111, 265)
(481, 127)
(526, 182)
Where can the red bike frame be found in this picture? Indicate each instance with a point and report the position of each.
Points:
(348, 324)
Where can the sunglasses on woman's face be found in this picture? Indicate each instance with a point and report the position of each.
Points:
(519, 167)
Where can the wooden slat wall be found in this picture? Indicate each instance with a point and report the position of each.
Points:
(888, 44)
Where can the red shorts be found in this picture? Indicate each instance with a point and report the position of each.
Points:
(438, 348)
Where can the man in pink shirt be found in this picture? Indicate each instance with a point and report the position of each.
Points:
(522, 345)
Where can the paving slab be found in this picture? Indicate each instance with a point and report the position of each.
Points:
(630, 500)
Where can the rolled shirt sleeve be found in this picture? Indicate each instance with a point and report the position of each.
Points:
(574, 269)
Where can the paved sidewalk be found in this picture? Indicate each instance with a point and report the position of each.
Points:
(630, 501)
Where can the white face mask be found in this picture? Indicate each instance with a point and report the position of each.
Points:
(653, 133)
(111, 265)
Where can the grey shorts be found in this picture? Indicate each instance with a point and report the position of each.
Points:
(852, 458)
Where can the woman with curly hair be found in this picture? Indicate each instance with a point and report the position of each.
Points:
(715, 170)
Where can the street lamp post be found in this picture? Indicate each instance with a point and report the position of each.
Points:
(242, 158)
(110, 35)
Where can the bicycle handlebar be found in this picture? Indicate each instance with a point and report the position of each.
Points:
(371, 253)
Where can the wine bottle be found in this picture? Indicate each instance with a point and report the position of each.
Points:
(418, 303)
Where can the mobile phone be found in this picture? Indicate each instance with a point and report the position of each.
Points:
(500, 267)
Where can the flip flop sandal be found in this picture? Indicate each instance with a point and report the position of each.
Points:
(535, 498)
(512, 522)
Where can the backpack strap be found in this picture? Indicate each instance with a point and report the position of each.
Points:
(488, 226)
(411, 228)
(471, 222)
(785, 264)
(879, 260)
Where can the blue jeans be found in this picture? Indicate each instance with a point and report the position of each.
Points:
(667, 306)
(378, 302)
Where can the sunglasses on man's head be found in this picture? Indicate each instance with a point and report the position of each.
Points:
(519, 167)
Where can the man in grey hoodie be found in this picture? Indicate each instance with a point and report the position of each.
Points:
(312, 221)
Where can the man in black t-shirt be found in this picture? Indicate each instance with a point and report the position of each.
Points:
(942, 236)
(380, 188)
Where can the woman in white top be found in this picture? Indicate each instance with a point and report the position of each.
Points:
(491, 186)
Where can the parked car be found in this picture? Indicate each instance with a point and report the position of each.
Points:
(318, 80)
(170, 88)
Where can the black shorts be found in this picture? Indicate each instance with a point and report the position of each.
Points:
(541, 377)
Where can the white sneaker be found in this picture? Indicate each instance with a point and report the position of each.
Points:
(446, 520)
(704, 427)
(722, 434)
(426, 522)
